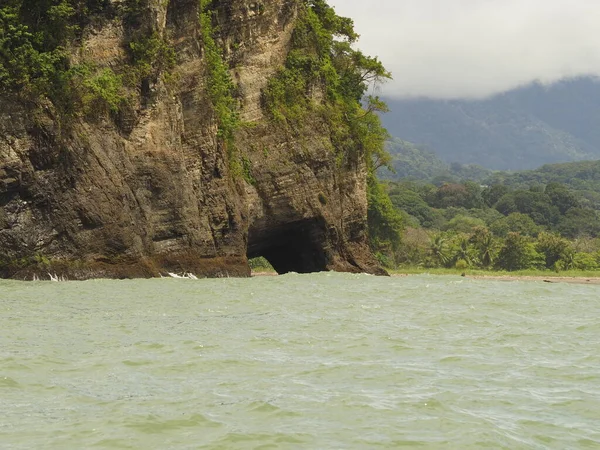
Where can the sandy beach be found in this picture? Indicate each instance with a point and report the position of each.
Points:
(539, 278)
(544, 279)
(573, 280)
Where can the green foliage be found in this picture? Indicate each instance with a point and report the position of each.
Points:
(579, 222)
(133, 11)
(485, 238)
(537, 205)
(464, 224)
(585, 261)
(414, 247)
(260, 264)
(492, 194)
(34, 63)
(463, 251)
(583, 176)
(104, 92)
(485, 245)
(418, 162)
(240, 165)
(465, 195)
(411, 161)
(29, 64)
(325, 76)
(33, 38)
(518, 253)
(384, 221)
(440, 252)
(515, 223)
(461, 264)
(220, 87)
(150, 55)
(553, 248)
(406, 199)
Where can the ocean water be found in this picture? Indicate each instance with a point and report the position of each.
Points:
(324, 361)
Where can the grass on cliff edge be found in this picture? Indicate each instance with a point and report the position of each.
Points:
(497, 273)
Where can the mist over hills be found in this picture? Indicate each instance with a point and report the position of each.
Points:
(517, 130)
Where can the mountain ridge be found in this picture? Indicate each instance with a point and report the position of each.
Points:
(521, 129)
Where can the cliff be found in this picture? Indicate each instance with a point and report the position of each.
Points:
(155, 185)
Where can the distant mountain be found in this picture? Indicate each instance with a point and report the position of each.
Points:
(578, 175)
(412, 161)
(583, 176)
(421, 163)
(521, 129)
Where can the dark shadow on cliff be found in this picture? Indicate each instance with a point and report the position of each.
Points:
(293, 247)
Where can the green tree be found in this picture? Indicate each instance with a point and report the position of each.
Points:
(462, 250)
(439, 250)
(553, 248)
(561, 197)
(464, 224)
(457, 195)
(518, 253)
(412, 203)
(491, 194)
(486, 246)
(413, 247)
(585, 261)
(536, 205)
(384, 221)
(579, 222)
(516, 223)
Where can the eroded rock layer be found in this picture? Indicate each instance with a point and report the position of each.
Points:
(152, 191)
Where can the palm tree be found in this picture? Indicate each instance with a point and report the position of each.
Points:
(463, 251)
(439, 250)
(486, 246)
(568, 260)
(487, 249)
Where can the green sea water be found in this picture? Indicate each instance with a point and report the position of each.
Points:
(324, 361)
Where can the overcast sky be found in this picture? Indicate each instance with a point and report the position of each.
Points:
(475, 48)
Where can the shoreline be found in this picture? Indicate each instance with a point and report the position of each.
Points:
(516, 277)
(567, 279)
(492, 277)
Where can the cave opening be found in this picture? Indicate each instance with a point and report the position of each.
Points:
(292, 247)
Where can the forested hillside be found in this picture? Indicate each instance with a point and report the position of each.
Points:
(408, 160)
(497, 226)
(548, 218)
(521, 129)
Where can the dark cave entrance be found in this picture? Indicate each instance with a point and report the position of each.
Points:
(292, 247)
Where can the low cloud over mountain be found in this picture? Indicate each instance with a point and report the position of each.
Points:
(477, 48)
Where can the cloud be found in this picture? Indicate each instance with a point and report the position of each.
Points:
(476, 48)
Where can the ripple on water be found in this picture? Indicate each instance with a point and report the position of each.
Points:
(317, 361)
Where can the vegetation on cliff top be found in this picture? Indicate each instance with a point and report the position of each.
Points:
(325, 76)
(36, 38)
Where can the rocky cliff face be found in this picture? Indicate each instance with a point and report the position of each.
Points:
(154, 191)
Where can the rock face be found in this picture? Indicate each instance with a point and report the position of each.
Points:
(154, 191)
